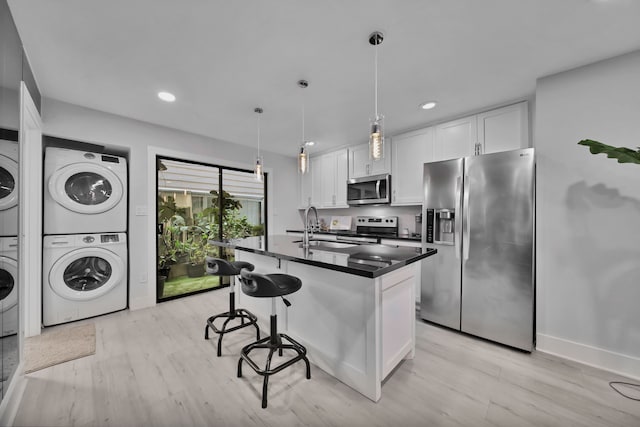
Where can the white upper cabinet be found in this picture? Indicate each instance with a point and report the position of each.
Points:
(504, 129)
(341, 174)
(325, 185)
(361, 165)
(410, 152)
(456, 139)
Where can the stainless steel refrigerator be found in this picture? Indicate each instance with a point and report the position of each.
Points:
(478, 212)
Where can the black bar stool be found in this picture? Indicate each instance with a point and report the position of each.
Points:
(222, 267)
(271, 286)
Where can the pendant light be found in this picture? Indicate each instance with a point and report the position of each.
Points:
(303, 156)
(376, 130)
(258, 169)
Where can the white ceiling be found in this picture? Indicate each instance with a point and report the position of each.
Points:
(223, 58)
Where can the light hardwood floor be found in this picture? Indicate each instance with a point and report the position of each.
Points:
(153, 367)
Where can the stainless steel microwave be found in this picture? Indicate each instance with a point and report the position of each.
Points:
(375, 189)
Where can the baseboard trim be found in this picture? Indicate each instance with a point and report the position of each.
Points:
(13, 397)
(621, 364)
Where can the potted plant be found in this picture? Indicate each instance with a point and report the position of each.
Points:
(195, 268)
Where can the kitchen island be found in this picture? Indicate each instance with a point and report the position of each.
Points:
(355, 312)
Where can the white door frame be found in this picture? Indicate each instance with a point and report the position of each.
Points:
(30, 218)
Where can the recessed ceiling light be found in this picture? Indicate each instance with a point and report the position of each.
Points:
(428, 105)
(166, 96)
(309, 143)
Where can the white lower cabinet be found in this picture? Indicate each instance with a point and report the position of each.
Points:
(409, 244)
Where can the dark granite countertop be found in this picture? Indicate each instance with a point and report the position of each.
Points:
(367, 260)
(349, 233)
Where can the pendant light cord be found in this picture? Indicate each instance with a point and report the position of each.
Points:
(258, 135)
(375, 74)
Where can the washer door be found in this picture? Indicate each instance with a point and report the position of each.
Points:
(8, 283)
(8, 183)
(85, 274)
(86, 188)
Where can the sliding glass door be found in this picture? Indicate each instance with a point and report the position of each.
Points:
(198, 202)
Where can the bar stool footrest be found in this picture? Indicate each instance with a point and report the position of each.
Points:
(265, 343)
(240, 313)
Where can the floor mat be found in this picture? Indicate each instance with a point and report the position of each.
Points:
(59, 345)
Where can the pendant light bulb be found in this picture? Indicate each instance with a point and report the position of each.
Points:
(258, 171)
(303, 160)
(259, 166)
(376, 129)
(376, 138)
(303, 156)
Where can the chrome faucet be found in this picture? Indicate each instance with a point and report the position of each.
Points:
(307, 228)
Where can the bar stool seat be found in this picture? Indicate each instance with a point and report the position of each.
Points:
(271, 286)
(222, 267)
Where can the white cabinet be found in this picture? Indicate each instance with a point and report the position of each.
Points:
(361, 165)
(333, 186)
(341, 175)
(317, 175)
(410, 152)
(456, 138)
(419, 273)
(325, 185)
(502, 129)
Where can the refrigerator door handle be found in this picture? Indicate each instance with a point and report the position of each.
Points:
(458, 223)
(466, 221)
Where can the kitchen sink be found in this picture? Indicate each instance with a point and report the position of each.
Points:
(328, 244)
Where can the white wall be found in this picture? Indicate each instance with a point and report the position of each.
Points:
(588, 215)
(143, 140)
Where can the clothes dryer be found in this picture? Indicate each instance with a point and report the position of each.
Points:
(84, 275)
(9, 285)
(84, 192)
(9, 155)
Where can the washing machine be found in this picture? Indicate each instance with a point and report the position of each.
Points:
(9, 155)
(84, 275)
(84, 192)
(9, 285)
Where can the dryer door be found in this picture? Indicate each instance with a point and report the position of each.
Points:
(86, 188)
(8, 283)
(85, 274)
(8, 183)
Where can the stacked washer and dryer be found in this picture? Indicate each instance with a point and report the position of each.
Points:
(84, 253)
(8, 237)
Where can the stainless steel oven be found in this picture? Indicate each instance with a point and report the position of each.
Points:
(369, 190)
